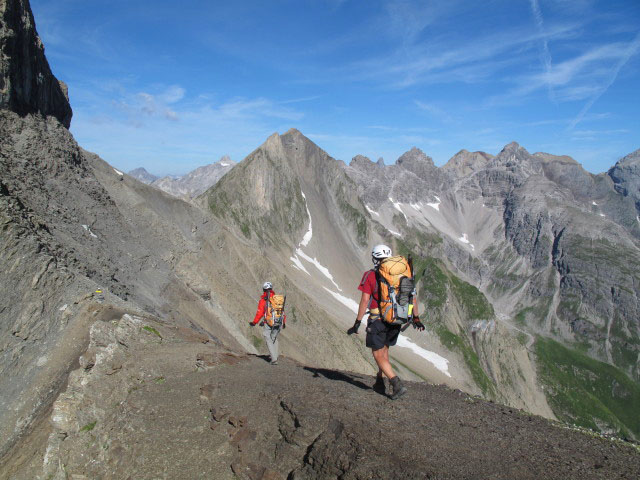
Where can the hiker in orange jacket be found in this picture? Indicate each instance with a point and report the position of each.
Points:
(269, 332)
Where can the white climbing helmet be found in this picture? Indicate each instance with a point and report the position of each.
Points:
(267, 286)
(380, 252)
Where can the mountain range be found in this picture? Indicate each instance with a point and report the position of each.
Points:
(189, 185)
(125, 349)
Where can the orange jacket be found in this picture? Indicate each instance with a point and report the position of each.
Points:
(261, 308)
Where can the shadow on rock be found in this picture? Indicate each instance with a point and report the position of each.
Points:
(266, 358)
(338, 376)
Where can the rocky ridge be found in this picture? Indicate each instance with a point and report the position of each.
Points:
(130, 408)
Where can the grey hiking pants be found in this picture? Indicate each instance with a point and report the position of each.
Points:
(271, 338)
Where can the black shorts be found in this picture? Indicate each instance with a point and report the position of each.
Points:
(380, 333)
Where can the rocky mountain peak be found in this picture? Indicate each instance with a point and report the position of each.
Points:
(380, 162)
(360, 161)
(414, 157)
(26, 82)
(626, 176)
(142, 175)
(416, 162)
(225, 159)
(549, 158)
(518, 160)
(464, 162)
(632, 159)
(511, 147)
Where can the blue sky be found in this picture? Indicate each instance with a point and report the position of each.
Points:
(170, 86)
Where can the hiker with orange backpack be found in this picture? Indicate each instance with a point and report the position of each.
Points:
(388, 292)
(271, 316)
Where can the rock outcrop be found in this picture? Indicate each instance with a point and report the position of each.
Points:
(133, 410)
(26, 82)
(626, 177)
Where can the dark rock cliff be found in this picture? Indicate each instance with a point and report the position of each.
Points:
(26, 82)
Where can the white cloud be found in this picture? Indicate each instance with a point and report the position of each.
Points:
(630, 50)
(545, 55)
(586, 69)
(476, 58)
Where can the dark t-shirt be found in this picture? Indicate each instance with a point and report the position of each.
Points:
(369, 285)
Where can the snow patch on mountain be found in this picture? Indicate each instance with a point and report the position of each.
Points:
(435, 205)
(298, 264)
(398, 206)
(303, 243)
(307, 236)
(465, 239)
(371, 211)
(397, 234)
(324, 270)
(439, 362)
(86, 227)
(348, 302)
(118, 172)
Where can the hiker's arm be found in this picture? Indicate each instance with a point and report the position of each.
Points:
(362, 308)
(260, 312)
(416, 317)
(364, 303)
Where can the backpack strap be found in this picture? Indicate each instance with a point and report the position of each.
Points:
(266, 305)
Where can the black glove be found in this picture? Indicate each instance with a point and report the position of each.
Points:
(284, 325)
(251, 324)
(354, 329)
(417, 323)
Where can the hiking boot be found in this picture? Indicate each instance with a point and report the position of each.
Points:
(379, 386)
(274, 362)
(398, 388)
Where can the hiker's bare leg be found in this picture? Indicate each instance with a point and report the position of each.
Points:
(381, 356)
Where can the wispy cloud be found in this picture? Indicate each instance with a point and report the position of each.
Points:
(299, 100)
(437, 112)
(545, 55)
(586, 68)
(174, 132)
(631, 49)
(474, 59)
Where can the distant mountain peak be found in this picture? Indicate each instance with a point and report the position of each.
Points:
(416, 161)
(511, 147)
(360, 160)
(293, 131)
(414, 155)
(142, 175)
(465, 162)
(632, 159)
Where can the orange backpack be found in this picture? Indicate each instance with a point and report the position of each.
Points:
(274, 310)
(396, 289)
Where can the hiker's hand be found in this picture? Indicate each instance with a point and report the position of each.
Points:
(354, 328)
(251, 324)
(418, 324)
(284, 325)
